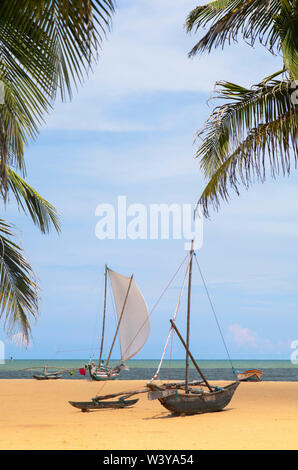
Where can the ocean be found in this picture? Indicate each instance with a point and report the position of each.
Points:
(281, 370)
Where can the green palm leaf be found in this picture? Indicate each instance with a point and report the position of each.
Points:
(229, 123)
(54, 41)
(45, 47)
(43, 214)
(255, 132)
(273, 22)
(287, 27)
(18, 289)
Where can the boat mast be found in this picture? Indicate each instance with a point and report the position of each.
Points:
(104, 316)
(120, 318)
(188, 319)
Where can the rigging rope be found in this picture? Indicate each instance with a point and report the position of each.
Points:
(215, 316)
(171, 328)
(157, 302)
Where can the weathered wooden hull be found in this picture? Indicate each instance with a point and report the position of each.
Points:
(182, 403)
(47, 377)
(98, 405)
(103, 374)
(253, 375)
(103, 377)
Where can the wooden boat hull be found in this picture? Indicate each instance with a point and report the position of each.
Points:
(47, 377)
(252, 375)
(99, 405)
(100, 378)
(192, 403)
(102, 375)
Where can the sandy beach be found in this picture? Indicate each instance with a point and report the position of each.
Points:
(36, 415)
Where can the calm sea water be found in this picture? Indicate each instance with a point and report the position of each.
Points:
(144, 369)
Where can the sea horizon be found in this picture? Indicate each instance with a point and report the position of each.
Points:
(144, 369)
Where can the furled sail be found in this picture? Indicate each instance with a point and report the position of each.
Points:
(134, 326)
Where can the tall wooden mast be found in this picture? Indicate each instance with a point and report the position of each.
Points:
(104, 316)
(188, 318)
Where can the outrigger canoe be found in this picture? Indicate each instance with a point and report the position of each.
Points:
(47, 377)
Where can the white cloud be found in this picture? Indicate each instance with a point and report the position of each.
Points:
(247, 339)
(243, 336)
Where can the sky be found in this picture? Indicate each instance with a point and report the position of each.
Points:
(128, 131)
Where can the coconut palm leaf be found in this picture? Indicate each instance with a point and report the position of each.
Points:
(229, 123)
(18, 289)
(55, 41)
(20, 117)
(273, 22)
(287, 26)
(267, 122)
(43, 214)
(44, 47)
(252, 19)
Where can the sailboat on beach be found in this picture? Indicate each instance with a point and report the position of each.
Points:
(132, 329)
(184, 398)
(181, 398)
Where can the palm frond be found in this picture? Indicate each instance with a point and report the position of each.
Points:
(55, 41)
(202, 14)
(255, 131)
(243, 110)
(287, 26)
(275, 140)
(254, 19)
(44, 47)
(18, 289)
(43, 214)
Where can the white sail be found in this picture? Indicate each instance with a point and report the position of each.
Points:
(134, 326)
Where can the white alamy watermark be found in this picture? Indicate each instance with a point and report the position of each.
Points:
(2, 93)
(150, 222)
(294, 355)
(2, 352)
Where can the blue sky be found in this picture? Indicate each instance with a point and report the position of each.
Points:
(129, 131)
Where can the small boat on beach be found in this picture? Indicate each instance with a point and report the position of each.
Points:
(184, 398)
(99, 402)
(85, 406)
(47, 376)
(252, 375)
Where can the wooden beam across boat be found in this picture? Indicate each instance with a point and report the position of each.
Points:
(191, 356)
(126, 394)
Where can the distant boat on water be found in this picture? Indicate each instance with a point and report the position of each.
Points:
(47, 377)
